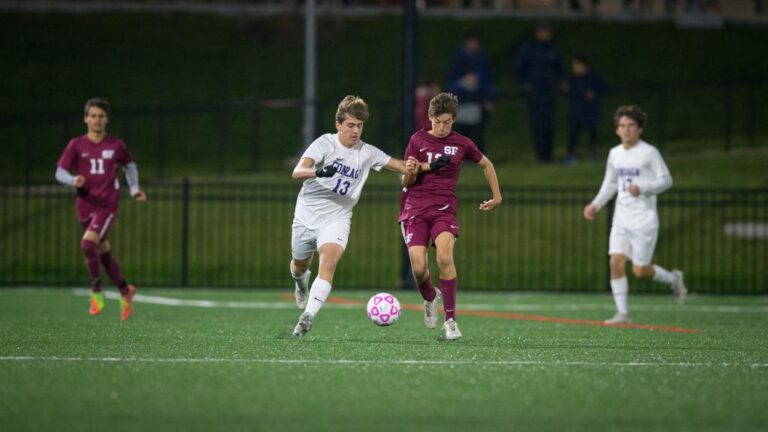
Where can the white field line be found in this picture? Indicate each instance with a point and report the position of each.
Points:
(351, 362)
(168, 301)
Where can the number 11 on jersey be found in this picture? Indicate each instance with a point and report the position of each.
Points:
(97, 166)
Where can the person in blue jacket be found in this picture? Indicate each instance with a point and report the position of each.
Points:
(585, 89)
(538, 68)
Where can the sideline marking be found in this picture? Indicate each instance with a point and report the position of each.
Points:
(470, 363)
(169, 301)
(342, 302)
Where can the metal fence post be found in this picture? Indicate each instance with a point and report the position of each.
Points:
(185, 233)
(161, 144)
(255, 119)
(728, 116)
(223, 140)
(751, 116)
(28, 152)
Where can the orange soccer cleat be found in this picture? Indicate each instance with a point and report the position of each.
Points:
(125, 303)
(97, 303)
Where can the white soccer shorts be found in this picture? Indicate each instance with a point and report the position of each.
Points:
(305, 241)
(637, 245)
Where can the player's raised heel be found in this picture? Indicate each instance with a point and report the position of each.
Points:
(619, 319)
(451, 329)
(301, 290)
(430, 310)
(97, 304)
(125, 303)
(304, 325)
(678, 287)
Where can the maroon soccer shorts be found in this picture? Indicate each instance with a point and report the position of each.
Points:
(98, 220)
(418, 230)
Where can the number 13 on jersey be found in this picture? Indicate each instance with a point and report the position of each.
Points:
(342, 186)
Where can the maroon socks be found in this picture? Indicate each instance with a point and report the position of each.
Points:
(114, 271)
(427, 290)
(91, 252)
(448, 289)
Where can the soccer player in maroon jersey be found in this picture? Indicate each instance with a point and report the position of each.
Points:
(95, 158)
(428, 208)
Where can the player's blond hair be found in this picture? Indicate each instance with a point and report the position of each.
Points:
(355, 106)
(444, 103)
(632, 111)
(96, 102)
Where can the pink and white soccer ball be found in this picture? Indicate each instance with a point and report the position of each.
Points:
(383, 309)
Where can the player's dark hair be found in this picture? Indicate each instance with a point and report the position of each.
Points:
(96, 102)
(355, 106)
(581, 58)
(632, 111)
(444, 103)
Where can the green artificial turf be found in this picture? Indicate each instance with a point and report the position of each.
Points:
(526, 361)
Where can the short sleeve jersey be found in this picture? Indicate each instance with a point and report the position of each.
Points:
(638, 165)
(436, 189)
(98, 163)
(327, 199)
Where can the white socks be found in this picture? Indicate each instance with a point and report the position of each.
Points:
(620, 289)
(663, 275)
(317, 295)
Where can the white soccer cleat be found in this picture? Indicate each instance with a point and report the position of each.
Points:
(301, 290)
(678, 287)
(430, 310)
(304, 325)
(451, 329)
(619, 318)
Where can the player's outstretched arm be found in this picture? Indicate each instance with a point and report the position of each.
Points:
(412, 169)
(409, 166)
(490, 175)
(306, 169)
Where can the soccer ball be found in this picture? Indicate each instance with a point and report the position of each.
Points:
(383, 309)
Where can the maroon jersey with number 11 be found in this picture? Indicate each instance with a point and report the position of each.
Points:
(436, 189)
(99, 164)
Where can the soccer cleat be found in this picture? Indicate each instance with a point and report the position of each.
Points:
(125, 303)
(301, 290)
(619, 318)
(451, 329)
(678, 287)
(304, 325)
(97, 303)
(430, 311)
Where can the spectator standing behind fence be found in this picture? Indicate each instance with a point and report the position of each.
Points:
(538, 68)
(95, 157)
(470, 80)
(585, 89)
(428, 207)
(334, 169)
(424, 93)
(636, 170)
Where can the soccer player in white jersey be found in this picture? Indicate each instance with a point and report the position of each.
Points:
(637, 172)
(334, 169)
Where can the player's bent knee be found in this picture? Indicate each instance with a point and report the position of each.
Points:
(642, 272)
(89, 247)
(420, 272)
(300, 266)
(444, 260)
